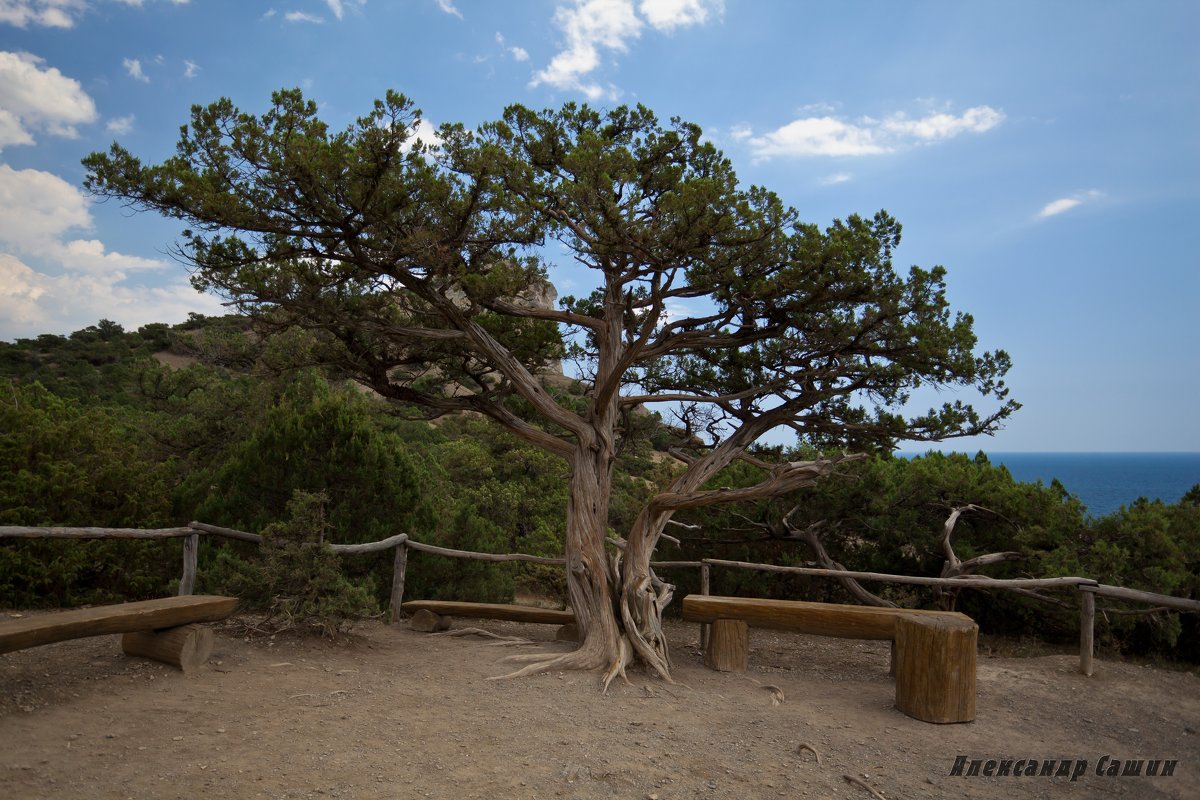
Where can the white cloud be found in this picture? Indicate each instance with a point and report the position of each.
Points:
(190, 69)
(338, 7)
(39, 215)
(589, 26)
(11, 130)
(90, 255)
(1067, 203)
(740, 132)
(33, 97)
(300, 16)
(47, 13)
(836, 178)
(817, 136)
(38, 208)
(426, 133)
(518, 53)
(943, 126)
(120, 125)
(448, 7)
(593, 26)
(133, 66)
(832, 136)
(32, 303)
(667, 15)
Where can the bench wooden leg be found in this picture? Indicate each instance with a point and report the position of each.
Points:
(935, 667)
(428, 622)
(186, 647)
(728, 643)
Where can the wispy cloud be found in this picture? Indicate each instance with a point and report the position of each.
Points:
(338, 7)
(133, 66)
(833, 136)
(38, 98)
(741, 132)
(1064, 204)
(302, 16)
(836, 178)
(46, 13)
(934, 127)
(591, 27)
(120, 126)
(518, 53)
(449, 7)
(140, 3)
(190, 69)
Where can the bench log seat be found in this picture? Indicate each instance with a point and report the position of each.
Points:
(433, 615)
(933, 652)
(162, 629)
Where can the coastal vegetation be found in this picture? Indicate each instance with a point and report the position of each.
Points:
(166, 424)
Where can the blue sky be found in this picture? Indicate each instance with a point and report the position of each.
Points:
(1048, 154)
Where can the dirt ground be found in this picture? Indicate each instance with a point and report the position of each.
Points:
(390, 713)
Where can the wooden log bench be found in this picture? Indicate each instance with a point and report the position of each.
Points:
(164, 629)
(434, 615)
(933, 652)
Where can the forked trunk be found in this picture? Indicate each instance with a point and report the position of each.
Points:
(592, 577)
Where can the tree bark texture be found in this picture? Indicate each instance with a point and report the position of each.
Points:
(168, 612)
(935, 667)
(728, 644)
(186, 647)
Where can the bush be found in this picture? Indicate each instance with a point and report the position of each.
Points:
(296, 577)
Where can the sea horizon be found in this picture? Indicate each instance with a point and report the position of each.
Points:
(1104, 481)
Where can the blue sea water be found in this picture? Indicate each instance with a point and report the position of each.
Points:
(1106, 481)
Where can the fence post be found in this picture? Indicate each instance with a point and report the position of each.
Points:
(191, 546)
(704, 589)
(400, 565)
(1087, 628)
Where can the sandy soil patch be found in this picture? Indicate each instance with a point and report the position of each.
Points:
(390, 713)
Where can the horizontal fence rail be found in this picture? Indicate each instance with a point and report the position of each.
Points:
(1087, 589)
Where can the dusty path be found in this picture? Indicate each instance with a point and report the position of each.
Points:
(396, 714)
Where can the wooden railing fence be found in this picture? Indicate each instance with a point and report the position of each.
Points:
(1086, 588)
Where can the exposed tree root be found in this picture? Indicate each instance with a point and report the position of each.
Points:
(487, 634)
(581, 659)
(777, 696)
(857, 782)
(624, 656)
(806, 746)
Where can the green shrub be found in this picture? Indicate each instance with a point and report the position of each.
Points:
(296, 577)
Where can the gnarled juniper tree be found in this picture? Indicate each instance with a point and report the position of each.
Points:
(416, 266)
